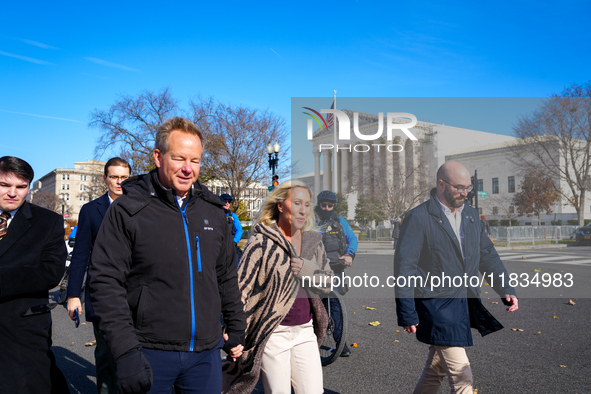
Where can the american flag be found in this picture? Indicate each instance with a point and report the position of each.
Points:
(330, 117)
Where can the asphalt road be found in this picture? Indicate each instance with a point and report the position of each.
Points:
(551, 355)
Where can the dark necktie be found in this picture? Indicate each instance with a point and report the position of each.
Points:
(4, 216)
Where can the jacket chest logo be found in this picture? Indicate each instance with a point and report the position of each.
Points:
(206, 225)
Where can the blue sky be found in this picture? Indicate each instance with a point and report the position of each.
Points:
(59, 62)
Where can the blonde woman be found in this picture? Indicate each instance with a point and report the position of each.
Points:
(285, 317)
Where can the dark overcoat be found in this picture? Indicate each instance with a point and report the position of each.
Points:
(428, 253)
(89, 222)
(32, 261)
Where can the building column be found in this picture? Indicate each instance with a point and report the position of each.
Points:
(337, 164)
(345, 170)
(327, 173)
(358, 167)
(316, 173)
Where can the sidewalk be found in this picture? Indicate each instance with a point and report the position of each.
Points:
(387, 247)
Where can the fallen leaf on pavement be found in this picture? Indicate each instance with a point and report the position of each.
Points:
(537, 270)
(90, 343)
(355, 344)
(563, 366)
(556, 317)
(374, 323)
(369, 308)
(396, 340)
(572, 302)
(495, 302)
(516, 329)
(397, 330)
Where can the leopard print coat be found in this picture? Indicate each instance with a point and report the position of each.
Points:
(268, 290)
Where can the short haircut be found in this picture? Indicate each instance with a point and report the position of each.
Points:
(269, 213)
(18, 167)
(116, 162)
(172, 124)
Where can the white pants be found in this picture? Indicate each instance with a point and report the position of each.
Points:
(291, 357)
(442, 360)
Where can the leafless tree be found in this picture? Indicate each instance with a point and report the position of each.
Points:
(557, 138)
(502, 203)
(50, 201)
(94, 189)
(407, 183)
(236, 140)
(235, 137)
(129, 126)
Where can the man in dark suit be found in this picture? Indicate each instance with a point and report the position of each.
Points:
(89, 221)
(442, 238)
(32, 261)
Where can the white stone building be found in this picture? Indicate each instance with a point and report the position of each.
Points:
(363, 165)
(501, 178)
(74, 186)
(253, 196)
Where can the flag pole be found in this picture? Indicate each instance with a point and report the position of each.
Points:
(335, 151)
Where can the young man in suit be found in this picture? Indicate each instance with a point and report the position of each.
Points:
(32, 261)
(89, 221)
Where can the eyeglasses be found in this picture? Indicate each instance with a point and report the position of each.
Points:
(326, 205)
(460, 189)
(115, 177)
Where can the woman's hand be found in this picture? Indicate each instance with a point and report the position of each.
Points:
(236, 351)
(296, 265)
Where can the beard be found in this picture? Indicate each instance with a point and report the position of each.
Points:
(455, 202)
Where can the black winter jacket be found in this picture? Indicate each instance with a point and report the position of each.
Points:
(161, 275)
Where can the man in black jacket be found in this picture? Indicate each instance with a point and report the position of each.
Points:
(32, 261)
(163, 270)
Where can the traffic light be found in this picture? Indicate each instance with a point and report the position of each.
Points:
(471, 194)
(275, 182)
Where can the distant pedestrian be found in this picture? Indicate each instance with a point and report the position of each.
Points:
(485, 224)
(396, 230)
(234, 224)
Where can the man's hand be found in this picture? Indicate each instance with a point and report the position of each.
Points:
(411, 329)
(236, 351)
(296, 265)
(512, 301)
(73, 304)
(134, 373)
(348, 259)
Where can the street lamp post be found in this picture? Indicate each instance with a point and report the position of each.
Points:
(273, 152)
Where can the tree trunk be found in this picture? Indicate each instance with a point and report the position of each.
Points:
(581, 210)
